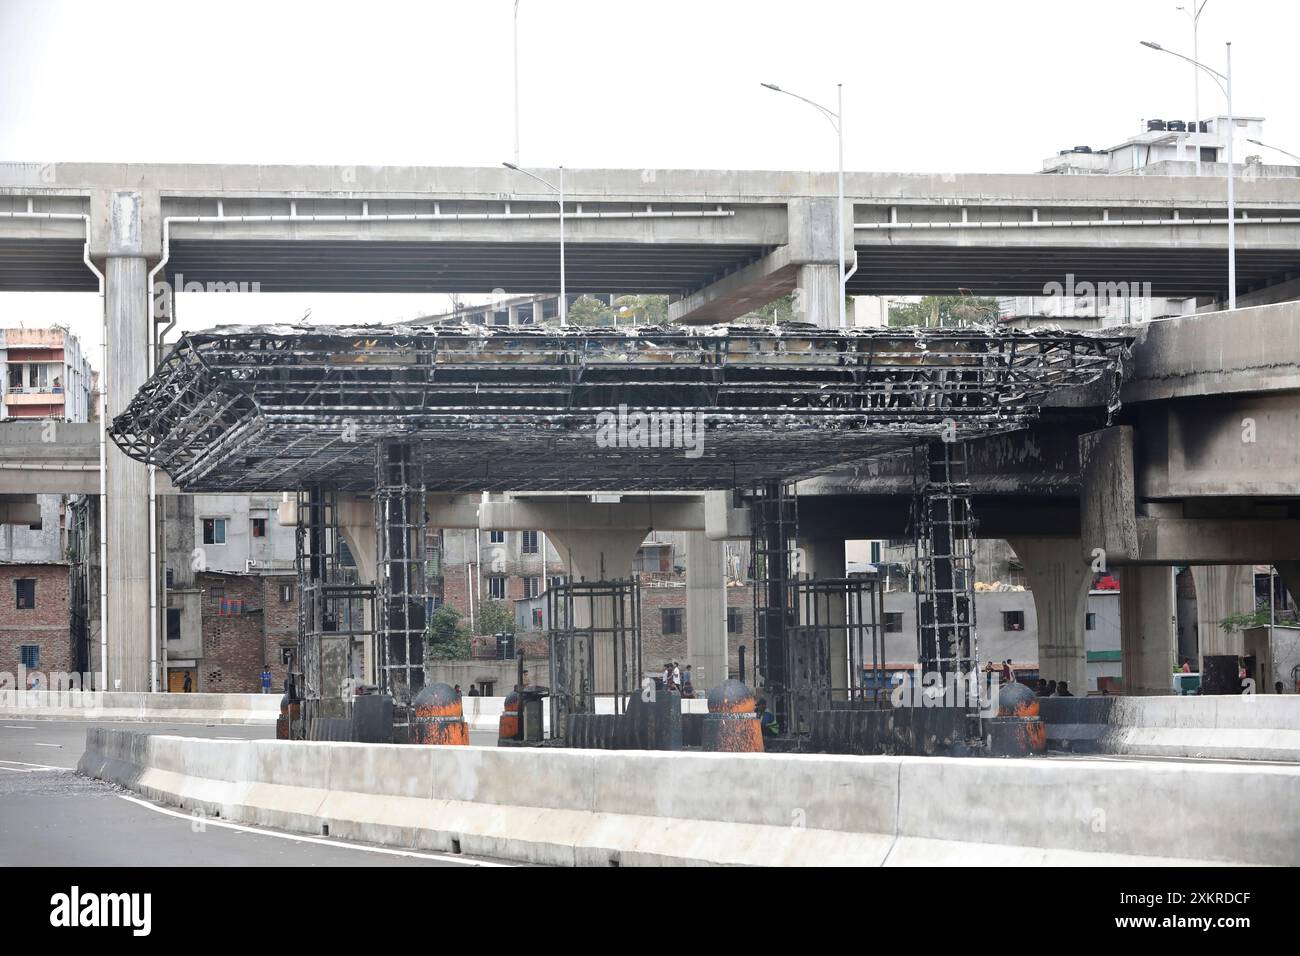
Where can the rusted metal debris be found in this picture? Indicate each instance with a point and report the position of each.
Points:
(267, 408)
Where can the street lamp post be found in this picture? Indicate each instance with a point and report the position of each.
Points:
(836, 119)
(564, 302)
(1232, 123)
(1276, 149)
(517, 81)
(1195, 13)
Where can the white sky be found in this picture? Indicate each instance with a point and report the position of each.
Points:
(937, 86)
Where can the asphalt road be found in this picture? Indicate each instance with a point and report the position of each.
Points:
(49, 816)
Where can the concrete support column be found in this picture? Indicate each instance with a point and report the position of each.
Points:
(600, 556)
(706, 610)
(1059, 577)
(817, 295)
(1221, 591)
(824, 558)
(1148, 639)
(126, 511)
(1289, 572)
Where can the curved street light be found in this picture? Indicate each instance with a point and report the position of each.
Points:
(836, 119)
(559, 191)
(1232, 205)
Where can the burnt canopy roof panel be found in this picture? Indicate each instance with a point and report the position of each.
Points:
(270, 408)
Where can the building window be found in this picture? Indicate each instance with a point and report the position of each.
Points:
(173, 624)
(893, 622)
(735, 621)
(670, 620)
(214, 530)
(501, 318)
(30, 655)
(537, 617)
(286, 655)
(524, 315)
(171, 578)
(217, 594)
(496, 537)
(530, 542)
(532, 586)
(286, 593)
(1090, 621)
(556, 581)
(258, 527)
(25, 593)
(497, 587)
(1013, 620)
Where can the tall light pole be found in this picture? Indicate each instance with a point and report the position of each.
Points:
(1232, 129)
(1276, 149)
(559, 191)
(1195, 13)
(517, 81)
(836, 119)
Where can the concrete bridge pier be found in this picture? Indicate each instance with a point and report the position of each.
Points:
(823, 557)
(706, 610)
(1148, 634)
(1221, 591)
(1059, 576)
(600, 556)
(817, 295)
(126, 512)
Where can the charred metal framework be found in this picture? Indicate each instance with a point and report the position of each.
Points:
(402, 411)
(803, 624)
(945, 571)
(243, 409)
(402, 585)
(594, 633)
(335, 613)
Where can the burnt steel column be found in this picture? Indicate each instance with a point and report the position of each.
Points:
(399, 569)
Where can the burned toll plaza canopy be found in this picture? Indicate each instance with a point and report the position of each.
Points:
(396, 413)
(275, 408)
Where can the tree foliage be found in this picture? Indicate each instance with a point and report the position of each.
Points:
(943, 311)
(446, 639)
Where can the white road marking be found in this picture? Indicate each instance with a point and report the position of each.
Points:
(37, 743)
(210, 822)
(34, 766)
(18, 727)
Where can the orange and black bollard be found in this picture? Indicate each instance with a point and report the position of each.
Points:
(1017, 730)
(731, 725)
(508, 726)
(439, 717)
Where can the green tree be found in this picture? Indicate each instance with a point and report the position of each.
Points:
(935, 311)
(588, 310)
(446, 639)
(642, 309)
(495, 617)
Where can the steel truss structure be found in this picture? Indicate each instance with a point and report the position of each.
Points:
(944, 531)
(802, 625)
(594, 635)
(244, 409)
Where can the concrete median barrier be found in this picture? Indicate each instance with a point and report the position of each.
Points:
(593, 807)
(123, 706)
(1237, 727)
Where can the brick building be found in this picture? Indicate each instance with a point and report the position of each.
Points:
(34, 615)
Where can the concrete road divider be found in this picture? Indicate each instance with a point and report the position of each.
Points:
(1239, 727)
(120, 705)
(594, 807)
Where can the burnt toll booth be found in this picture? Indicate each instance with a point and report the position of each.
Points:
(357, 426)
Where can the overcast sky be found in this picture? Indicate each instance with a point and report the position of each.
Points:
(945, 85)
